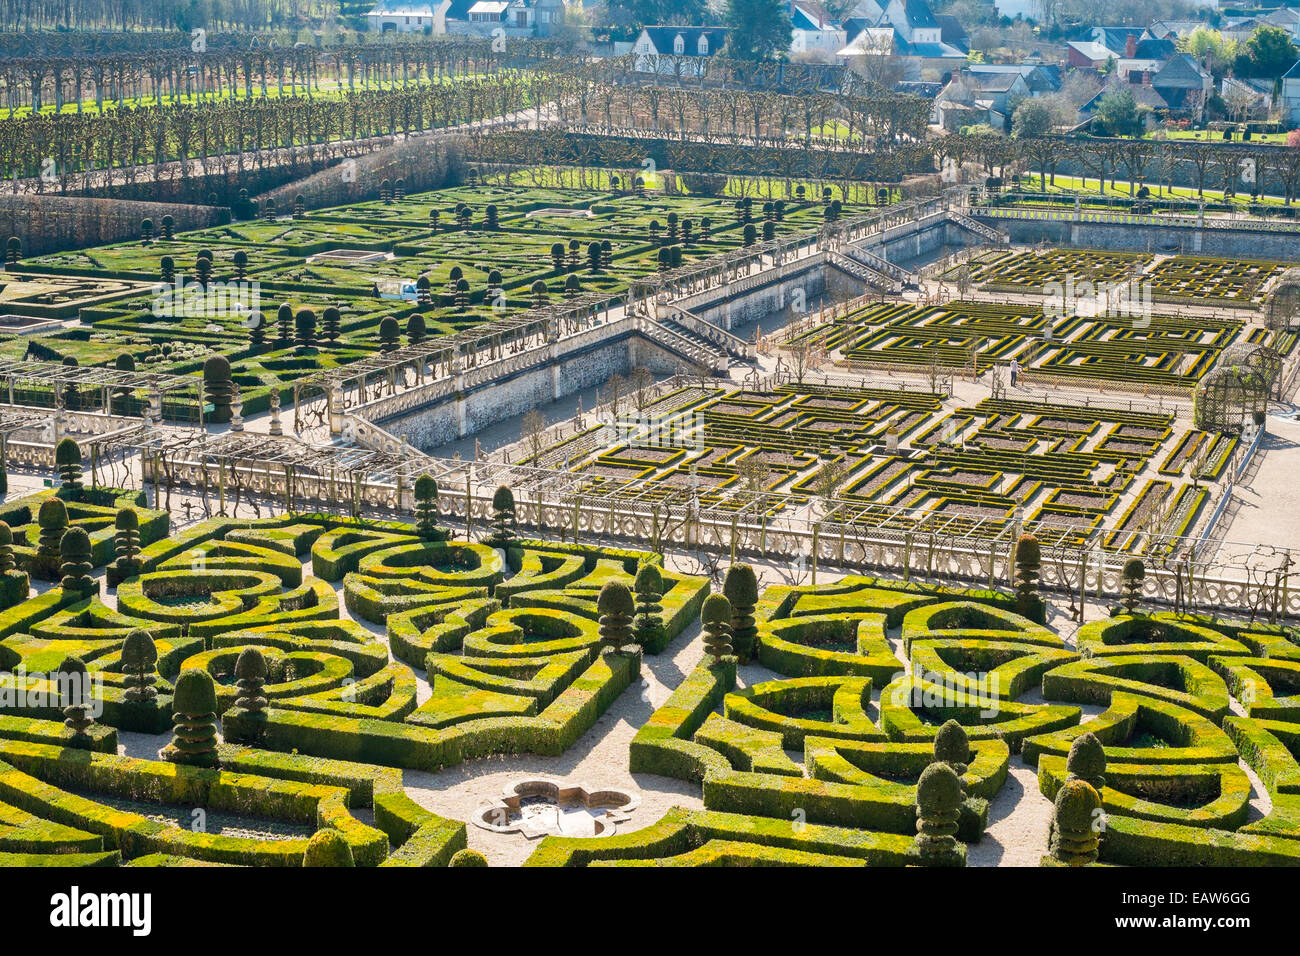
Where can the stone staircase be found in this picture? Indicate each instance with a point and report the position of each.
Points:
(691, 325)
(985, 232)
(702, 355)
(881, 265)
(863, 273)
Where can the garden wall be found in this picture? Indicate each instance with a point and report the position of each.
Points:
(54, 223)
(1233, 243)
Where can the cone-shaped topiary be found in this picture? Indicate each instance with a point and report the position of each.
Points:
(467, 858)
(328, 848)
(741, 588)
(53, 522)
(649, 587)
(140, 665)
(938, 808)
(1029, 560)
(505, 525)
(616, 607)
(194, 732)
(75, 562)
(1135, 573)
(1076, 824)
(67, 458)
(126, 547)
(715, 616)
(75, 697)
(952, 746)
(1087, 761)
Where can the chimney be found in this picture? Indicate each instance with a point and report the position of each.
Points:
(1130, 46)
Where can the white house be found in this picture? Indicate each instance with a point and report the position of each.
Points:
(671, 50)
(397, 16)
(814, 30)
(909, 30)
(1291, 94)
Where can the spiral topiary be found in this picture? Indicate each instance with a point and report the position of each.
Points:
(140, 665)
(1029, 560)
(76, 564)
(505, 524)
(52, 519)
(75, 698)
(194, 731)
(741, 588)
(616, 608)
(219, 386)
(649, 586)
(467, 858)
(715, 617)
(250, 680)
(67, 458)
(1076, 819)
(952, 746)
(331, 324)
(938, 808)
(327, 848)
(389, 331)
(426, 510)
(1135, 573)
(304, 328)
(126, 547)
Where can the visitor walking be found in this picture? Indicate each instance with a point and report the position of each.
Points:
(1015, 371)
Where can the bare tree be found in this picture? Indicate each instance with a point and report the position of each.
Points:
(532, 432)
(642, 383)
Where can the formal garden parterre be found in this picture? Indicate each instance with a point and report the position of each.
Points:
(277, 668)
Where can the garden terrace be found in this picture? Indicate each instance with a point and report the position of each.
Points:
(1031, 271)
(891, 456)
(1155, 354)
(849, 683)
(489, 277)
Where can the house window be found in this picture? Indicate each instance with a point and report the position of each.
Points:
(679, 44)
(703, 46)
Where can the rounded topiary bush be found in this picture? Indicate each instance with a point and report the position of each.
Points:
(468, 858)
(327, 848)
(1087, 760)
(952, 746)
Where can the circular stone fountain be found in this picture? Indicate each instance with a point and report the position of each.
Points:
(538, 807)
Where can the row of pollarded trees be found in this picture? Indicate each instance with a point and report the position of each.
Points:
(72, 79)
(876, 119)
(1139, 162)
(745, 164)
(153, 135)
